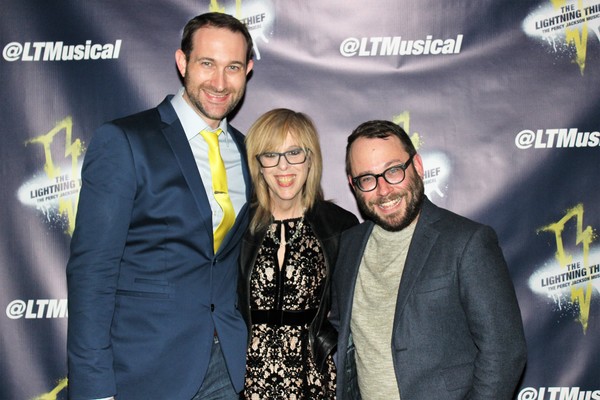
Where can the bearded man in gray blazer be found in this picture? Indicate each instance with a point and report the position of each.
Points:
(422, 297)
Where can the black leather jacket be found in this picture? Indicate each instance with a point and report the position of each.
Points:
(327, 221)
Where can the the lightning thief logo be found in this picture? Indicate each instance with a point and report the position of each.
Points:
(257, 15)
(575, 274)
(565, 26)
(56, 191)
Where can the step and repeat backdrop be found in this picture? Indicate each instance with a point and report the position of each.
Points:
(502, 98)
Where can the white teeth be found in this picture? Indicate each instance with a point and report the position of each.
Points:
(285, 179)
(389, 204)
(212, 94)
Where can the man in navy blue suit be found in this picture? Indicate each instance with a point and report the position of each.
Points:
(152, 291)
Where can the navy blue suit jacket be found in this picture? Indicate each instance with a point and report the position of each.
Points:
(146, 291)
(457, 330)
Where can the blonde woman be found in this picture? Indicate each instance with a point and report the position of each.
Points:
(286, 261)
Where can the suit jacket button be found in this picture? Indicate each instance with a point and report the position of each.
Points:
(212, 307)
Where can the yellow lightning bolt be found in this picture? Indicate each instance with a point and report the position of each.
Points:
(52, 395)
(584, 237)
(403, 119)
(216, 7)
(572, 35)
(73, 149)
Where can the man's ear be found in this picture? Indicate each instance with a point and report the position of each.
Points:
(181, 61)
(418, 163)
(249, 66)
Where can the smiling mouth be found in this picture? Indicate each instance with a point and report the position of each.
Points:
(388, 205)
(285, 180)
(216, 97)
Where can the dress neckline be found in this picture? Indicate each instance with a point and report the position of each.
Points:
(294, 219)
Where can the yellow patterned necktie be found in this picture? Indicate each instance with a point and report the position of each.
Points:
(219, 183)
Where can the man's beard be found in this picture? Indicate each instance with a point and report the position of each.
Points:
(194, 98)
(394, 222)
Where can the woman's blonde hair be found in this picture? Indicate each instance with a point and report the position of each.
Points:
(267, 134)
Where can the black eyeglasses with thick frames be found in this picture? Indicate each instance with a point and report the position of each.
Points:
(271, 159)
(393, 175)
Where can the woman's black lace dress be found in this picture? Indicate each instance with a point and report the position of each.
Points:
(279, 362)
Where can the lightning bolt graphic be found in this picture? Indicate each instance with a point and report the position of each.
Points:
(584, 237)
(73, 150)
(215, 7)
(403, 119)
(572, 35)
(52, 395)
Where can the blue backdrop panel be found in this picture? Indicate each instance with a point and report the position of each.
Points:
(501, 98)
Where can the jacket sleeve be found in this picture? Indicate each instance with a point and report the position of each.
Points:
(104, 211)
(494, 318)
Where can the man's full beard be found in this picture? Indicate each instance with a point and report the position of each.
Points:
(394, 222)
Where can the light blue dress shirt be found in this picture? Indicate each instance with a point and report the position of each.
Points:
(192, 125)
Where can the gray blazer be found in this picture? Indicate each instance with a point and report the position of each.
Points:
(457, 329)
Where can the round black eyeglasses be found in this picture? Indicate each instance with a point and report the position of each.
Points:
(393, 175)
(271, 159)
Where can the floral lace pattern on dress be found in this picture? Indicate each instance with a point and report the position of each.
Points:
(279, 363)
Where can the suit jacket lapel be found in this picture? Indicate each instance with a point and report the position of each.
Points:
(421, 244)
(175, 135)
(238, 139)
(173, 132)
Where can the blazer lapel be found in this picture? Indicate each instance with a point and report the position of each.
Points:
(421, 244)
(173, 132)
(238, 139)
